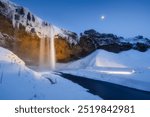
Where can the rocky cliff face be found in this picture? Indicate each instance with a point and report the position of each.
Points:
(25, 30)
(21, 32)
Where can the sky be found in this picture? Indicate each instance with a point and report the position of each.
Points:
(126, 18)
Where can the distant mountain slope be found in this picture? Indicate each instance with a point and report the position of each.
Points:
(91, 40)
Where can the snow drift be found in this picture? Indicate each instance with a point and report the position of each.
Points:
(19, 82)
(129, 68)
(102, 58)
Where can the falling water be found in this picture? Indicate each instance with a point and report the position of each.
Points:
(47, 52)
(52, 49)
(42, 49)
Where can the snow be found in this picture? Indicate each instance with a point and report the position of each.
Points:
(102, 58)
(41, 28)
(19, 82)
(135, 40)
(129, 68)
(8, 56)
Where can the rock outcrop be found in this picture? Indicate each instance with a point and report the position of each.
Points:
(91, 40)
(25, 31)
(21, 32)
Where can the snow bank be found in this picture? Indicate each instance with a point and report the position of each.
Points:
(19, 82)
(102, 58)
(129, 68)
(8, 56)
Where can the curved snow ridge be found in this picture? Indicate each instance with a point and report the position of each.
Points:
(102, 58)
(21, 16)
(8, 56)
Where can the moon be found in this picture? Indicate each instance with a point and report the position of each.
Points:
(102, 17)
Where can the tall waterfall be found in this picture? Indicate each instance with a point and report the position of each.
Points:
(52, 49)
(47, 52)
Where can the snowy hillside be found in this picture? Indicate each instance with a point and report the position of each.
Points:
(9, 57)
(102, 58)
(19, 82)
(129, 68)
(19, 16)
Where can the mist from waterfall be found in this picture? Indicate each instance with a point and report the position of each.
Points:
(47, 51)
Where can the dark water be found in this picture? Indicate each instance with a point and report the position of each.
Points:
(108, 91)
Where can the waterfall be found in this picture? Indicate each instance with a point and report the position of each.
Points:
(52, 49)
(42, 50)
(47, 52)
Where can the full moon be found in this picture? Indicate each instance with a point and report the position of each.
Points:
(102, 17)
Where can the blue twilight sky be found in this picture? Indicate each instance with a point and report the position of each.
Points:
(123, 17)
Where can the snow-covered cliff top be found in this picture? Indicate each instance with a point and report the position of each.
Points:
(21, 16)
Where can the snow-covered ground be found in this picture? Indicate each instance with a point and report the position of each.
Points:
(102, 58)
(19, 82)
(129, 68)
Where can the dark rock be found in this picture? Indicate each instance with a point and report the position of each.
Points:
(2, 5)
(33, 30)
(116, 48)
(91, 40)
(141, 47)
(29, 16)
(139, 37)
(33, 18)
(17, 17)
(20, 11)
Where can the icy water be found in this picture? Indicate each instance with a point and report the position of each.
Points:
(108, 91)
